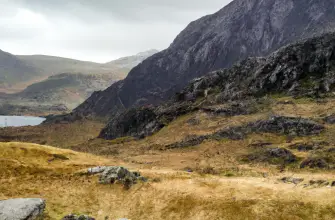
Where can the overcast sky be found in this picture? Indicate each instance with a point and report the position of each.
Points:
(96, 30)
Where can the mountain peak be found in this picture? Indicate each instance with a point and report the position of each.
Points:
(242, 29)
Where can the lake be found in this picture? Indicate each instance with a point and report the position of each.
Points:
(18, 121)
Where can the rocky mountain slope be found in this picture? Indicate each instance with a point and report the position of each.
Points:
(304, 69)
(239, 30)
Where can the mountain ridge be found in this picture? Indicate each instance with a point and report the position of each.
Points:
(302, 69)
(239, 30)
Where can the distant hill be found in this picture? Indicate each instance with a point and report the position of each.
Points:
(69, 89)
(51, 65)
(46, 80)
(13, 70)
(131, 61)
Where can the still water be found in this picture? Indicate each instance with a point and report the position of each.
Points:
(17, 121)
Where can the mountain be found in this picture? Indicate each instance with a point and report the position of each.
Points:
(55, 83)
(19, 71)
(69, 89)
(14, 70)
(51, 65)
(131, 61)
(241, 29)
(304, 69)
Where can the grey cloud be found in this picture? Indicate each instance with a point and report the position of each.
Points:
(97, 30)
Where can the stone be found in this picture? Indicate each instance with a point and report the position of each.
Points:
(273, 156)
(115, 174)
(22, 209)
(77, 217)
(292, 180)
(281, 153)
(330, 119)
(314, 163)
(292, 126)
(96, 170)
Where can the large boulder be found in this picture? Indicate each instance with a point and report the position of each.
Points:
(21, 209)
(114, 174)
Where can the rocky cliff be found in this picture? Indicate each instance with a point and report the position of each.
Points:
(242, 29)
(303, 69)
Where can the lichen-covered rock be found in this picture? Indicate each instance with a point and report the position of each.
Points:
(22, 209)
(96, 170)
(115, 174)
(77, 217)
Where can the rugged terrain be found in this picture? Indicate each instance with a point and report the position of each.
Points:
(239, 30)
(263, 175)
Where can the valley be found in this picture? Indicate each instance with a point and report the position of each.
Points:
(234, 120)
(58, 85)
(209, 180)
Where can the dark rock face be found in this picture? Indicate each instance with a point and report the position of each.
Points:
(242, 29)
(145, 121)
(303, 69)
(134, 122)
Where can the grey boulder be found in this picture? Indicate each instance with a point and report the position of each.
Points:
(21, 209)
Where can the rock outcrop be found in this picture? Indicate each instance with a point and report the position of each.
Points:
(21, 209)
(289, 126)
(244, 28)
(306, 68)
(116, 174)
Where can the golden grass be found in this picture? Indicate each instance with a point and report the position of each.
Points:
(238, 190)
(178, 195)
(58, 135)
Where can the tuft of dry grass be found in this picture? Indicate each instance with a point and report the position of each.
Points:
(168, 195)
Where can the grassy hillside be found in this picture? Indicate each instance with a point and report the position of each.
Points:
(14, 70)
(51, 173)
(50, 65)
(50, 83)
